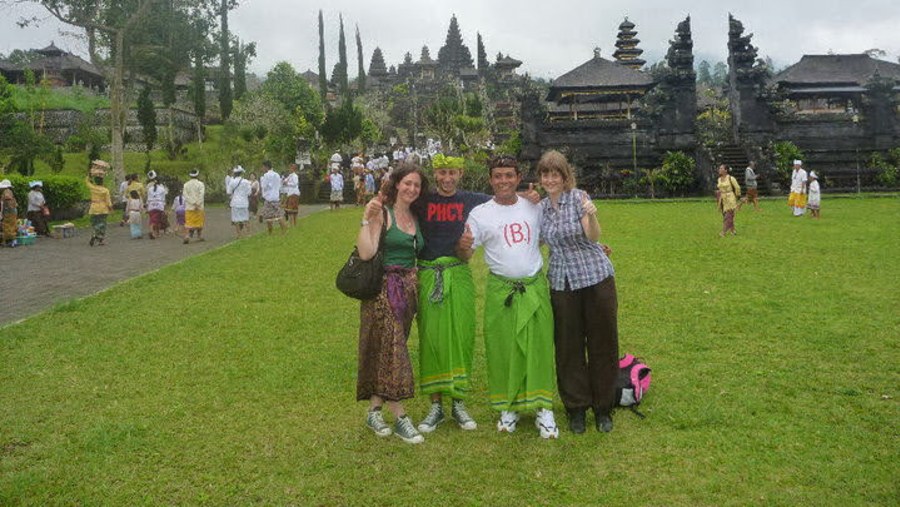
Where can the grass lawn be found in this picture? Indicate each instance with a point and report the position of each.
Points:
(229, 378)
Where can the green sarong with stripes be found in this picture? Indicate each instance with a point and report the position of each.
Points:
(518, 340)
(446, 322)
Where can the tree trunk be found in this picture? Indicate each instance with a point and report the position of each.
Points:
(117, 110)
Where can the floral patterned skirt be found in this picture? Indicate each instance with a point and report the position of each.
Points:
(385, 369)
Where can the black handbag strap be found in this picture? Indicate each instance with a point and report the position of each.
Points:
(384, 219)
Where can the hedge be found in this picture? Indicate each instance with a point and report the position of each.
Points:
(61, 192)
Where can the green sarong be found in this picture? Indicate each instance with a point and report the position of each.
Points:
(446, 321)
(518, 341)
(98, 223)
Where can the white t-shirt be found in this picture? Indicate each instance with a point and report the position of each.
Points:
(510, 236)
(271, 186)
(239, 188)
(291, 184)
(798, 178)
(156, 197)
(337, 182)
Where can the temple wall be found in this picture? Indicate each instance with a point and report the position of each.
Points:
(60, 124)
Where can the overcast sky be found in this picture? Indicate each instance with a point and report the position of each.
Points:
(550, 36)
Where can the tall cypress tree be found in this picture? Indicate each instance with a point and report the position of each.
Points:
(482, 57)
(225, 97)
(340, 77)
(323, 78)
(361, 75)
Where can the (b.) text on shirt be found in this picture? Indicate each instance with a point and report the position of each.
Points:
(516, 233)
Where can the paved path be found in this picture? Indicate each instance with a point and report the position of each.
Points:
(36, 277)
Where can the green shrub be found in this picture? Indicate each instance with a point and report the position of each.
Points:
(785, 154)
(678, 172)
(61, 192)
(887, 171)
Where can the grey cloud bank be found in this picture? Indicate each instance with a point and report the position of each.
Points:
(550, 37)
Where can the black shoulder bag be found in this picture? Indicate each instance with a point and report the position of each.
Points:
(361, 279)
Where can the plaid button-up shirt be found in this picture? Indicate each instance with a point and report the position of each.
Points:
(575, 261)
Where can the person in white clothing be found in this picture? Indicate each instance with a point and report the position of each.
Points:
(520, 362)
(194, 193)
(239, 190)
(815, 196)
(290, 187)
(270, 188)
(156, 205)
(336, 179)
(797, 198)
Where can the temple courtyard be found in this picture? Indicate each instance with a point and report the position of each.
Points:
(228, 378)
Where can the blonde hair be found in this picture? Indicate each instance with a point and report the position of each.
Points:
(554, 161)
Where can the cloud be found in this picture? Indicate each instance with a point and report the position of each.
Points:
(550, 38)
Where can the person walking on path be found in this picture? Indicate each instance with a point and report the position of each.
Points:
(815, 196)
(583, 296)
(797, 198)
(291, 187)
(728, 192)
(385, 373)
(518, 319)
(336, 180)
(750, 182)
(9, 214)
(101, 203)
(122, 196)
(254, 194)
(135, 210)
(37, 208)
(194, 193)
(156, 205)
(270, 188)
(239, 190)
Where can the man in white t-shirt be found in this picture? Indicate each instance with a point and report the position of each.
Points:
(518, 319)
(290, 186)
(270, 188)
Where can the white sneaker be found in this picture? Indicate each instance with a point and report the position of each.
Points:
(546, 424)
(507, 422)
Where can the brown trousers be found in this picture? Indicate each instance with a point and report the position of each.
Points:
(587, 345)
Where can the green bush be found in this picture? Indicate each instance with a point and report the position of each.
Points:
(887, 171)
(61, 192)
(785, 154)
(678, 172)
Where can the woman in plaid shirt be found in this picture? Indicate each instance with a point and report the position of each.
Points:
(583, 295)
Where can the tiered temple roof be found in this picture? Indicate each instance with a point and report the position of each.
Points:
(598, 88)
(627, 52)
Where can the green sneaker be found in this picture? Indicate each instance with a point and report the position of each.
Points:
(404, 429)
(435, 416)
(462, 417)
(375, 421)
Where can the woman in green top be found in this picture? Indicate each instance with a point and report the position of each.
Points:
(385, 371)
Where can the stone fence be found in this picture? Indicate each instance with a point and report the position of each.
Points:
(60, 124)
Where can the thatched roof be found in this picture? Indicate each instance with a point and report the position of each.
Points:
(836, 70)
(597, 74)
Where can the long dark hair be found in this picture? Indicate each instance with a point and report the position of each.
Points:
(404, 169)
